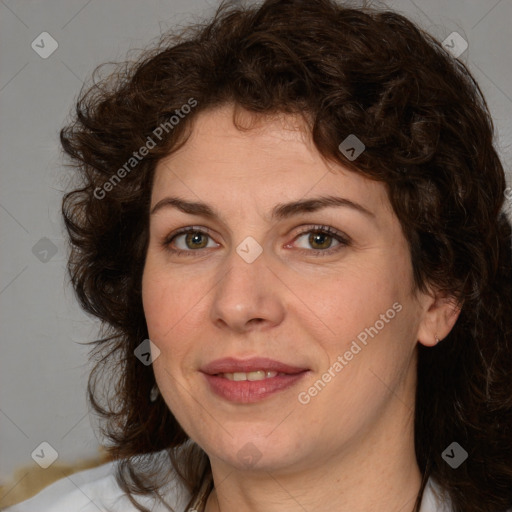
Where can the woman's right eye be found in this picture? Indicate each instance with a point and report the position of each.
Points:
(189, 240)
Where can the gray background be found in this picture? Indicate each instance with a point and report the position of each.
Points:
(43, 368)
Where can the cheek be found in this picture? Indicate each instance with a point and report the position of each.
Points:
(356, 298)
(366, 314)
(172, 303)
(162, 306)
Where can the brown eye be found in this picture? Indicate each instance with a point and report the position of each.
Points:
(189, 240)
(320, 240)
(196, 240)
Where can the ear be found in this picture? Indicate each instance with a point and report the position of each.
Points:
(439, 316)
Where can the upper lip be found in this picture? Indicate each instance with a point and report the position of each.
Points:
(233, 365)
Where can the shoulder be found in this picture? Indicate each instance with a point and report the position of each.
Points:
(95, 490)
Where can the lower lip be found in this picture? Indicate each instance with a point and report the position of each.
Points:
(247, 392)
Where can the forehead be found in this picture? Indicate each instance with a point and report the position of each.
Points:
(262, 159)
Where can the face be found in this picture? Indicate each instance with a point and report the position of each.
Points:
(286, 321)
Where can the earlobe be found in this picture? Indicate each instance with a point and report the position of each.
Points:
(438, 320)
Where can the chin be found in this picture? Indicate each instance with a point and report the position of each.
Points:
(255, 452)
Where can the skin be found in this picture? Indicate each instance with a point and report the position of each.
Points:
(351, 448)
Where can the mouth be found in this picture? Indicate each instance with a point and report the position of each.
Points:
(251, 376)
(250, 380)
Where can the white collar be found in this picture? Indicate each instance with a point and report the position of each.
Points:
(434, 499)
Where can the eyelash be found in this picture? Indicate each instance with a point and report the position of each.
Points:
(344, 241)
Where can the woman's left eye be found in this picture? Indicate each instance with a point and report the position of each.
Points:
(322, 239)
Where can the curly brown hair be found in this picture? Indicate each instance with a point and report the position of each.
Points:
(429, 138)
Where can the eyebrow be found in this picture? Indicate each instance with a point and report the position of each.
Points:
(280, 211)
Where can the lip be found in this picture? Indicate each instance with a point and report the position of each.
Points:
(247, 392)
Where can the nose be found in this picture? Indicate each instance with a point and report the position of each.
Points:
(247, 296)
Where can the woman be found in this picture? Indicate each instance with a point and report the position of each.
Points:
(300, 205)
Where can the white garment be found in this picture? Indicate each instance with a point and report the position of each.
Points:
(92, 490)
(96, 489)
